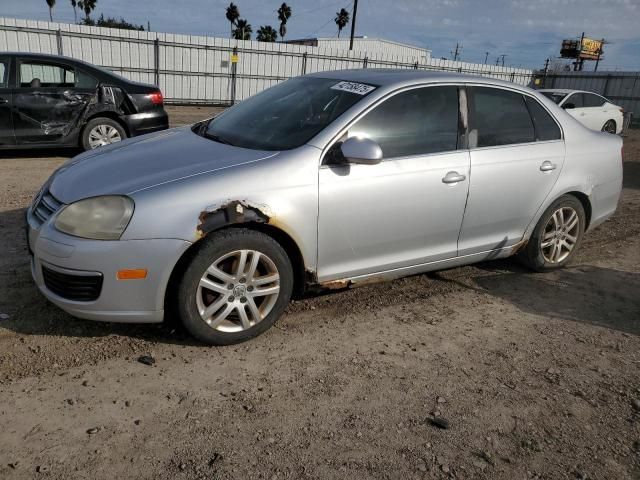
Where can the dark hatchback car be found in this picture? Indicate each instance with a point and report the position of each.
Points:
(54, 101)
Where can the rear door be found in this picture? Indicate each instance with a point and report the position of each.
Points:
(6, 124)
(517, 152)
(49, 101)
(596, 108)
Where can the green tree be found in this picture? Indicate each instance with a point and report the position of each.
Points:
(51, 4)
(74, 4)
(232, 15)
(87, 6)
(243, 30)
(342, 19)
(284, 13)
(112, 22)
(267, 34)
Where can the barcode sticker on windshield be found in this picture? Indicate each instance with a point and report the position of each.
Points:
(353, 87)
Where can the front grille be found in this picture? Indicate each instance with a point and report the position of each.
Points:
(45, 206)
(82, 287)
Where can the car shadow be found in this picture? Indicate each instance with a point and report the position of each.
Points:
(39, 153)
(582, 293)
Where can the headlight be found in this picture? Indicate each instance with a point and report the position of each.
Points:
(100, 218)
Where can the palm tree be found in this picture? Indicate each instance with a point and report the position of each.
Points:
(284, 13)
(267, 34)
(51, 4)
(342, 19)
(87, 6)
(232, 15)
(74, 4)
(243, 30)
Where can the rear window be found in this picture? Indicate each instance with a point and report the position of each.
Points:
(555, 96)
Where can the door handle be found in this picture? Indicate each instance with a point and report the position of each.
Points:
(453, 177)
(3, 100)
(547, 166)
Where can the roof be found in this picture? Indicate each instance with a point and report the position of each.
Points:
(564, 90)
(400, 77)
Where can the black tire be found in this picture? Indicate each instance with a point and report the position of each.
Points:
(533, 255)
(216, 246)
(96, 122)
(610, 126)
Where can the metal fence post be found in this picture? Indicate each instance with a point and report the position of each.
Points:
(606, 86)
(234, 76)
(59, 41)
(415, 66)
(364, 62)
(513, 75)
(304, 63)
(156, 61)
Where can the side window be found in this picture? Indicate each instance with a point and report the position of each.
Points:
(414, 122)
(501, 117)
(592, 100)
(84, 80)
(4, 73)
(545, 126)
(574, 99)
(33, 75)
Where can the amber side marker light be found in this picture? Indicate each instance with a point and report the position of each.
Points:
(135, 274)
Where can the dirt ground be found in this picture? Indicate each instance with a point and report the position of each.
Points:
(536, 374)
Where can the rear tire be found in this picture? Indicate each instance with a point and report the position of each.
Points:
(610, 126)
(557, 235)
(235, 287)
(101, 131)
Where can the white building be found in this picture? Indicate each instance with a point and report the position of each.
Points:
(369, 46)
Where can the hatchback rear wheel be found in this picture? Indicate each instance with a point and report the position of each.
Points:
(236, 287)
(557, 235)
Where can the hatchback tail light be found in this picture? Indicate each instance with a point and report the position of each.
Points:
(156, 98)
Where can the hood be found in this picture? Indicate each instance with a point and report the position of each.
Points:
(144, 162)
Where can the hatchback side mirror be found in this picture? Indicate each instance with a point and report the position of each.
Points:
(568, 106)
(361, 150)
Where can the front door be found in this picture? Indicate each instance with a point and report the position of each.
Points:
(48, 105)
(406, 210)
(517, 153)
(6, 124)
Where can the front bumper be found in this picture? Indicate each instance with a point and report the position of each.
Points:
(134, 301)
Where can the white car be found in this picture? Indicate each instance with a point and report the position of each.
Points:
(592, 110)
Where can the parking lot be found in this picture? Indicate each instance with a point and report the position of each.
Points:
(536, 374)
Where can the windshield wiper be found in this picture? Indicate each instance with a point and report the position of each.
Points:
(216, 138)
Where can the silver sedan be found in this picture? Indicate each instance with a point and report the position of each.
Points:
(324, 181)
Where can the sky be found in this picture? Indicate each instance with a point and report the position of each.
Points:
(526, 31)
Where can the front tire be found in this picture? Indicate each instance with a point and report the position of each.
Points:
(235, 288)
(557, 235)
(102, 131)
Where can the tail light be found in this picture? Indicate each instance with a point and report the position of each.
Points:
(156, 98)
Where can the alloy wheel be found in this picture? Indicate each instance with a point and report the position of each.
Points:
(103, 135)
(560, 235)
(238, 290)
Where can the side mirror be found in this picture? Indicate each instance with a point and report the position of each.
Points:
(568, 106)
(361, 150)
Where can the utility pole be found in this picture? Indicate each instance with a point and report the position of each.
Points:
(353, 23)
(599, 53)
(148, 26)
(546, 70)
(502, 56)
(579, 61)
(486, 55)
(497, 61)
(457, 52)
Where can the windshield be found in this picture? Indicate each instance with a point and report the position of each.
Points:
(555, 96)
(287, 115)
